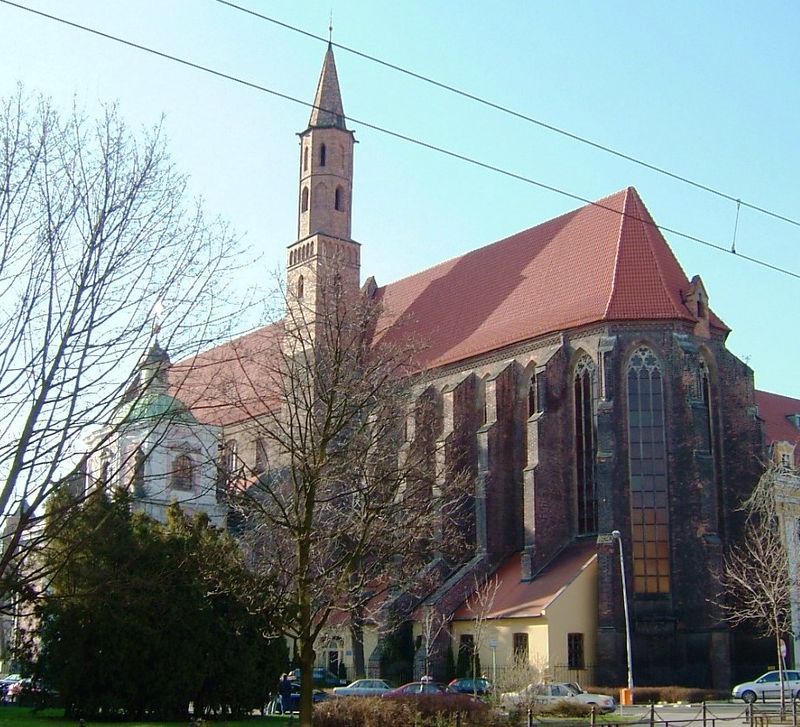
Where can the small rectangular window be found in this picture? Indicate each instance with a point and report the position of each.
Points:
(575, 658)
(521, 647)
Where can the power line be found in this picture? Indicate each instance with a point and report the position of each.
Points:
(517, 114)
(406, 138)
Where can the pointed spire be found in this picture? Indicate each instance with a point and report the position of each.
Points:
(328, 111)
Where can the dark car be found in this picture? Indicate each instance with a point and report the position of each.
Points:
(322, 677)
(415, 689)
(467, 685)
(294, 699)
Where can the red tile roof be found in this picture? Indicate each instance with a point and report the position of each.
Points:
(529, 599)
(232, 382)
(603, 262)
(775, 410)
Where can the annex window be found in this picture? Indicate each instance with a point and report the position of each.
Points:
(520, 645)
(182, 472)
(584, 389)
(648, 474)
(575, 654)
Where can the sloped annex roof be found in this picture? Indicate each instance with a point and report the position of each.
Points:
(603, 262)
(516, 598)
(775, 410)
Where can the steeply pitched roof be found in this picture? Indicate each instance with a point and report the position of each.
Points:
(603, 262)
(528, 599)
(775, 410)
(328, 110)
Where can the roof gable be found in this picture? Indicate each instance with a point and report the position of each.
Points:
(603, 262)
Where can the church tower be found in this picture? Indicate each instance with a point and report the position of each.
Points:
(324, 246)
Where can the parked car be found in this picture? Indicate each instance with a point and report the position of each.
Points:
(544, 694)
(322, 677)
(29, 691)
(294, 699)
(414, 689)
(5, 683)
(768, 686)
(363, 688)
(469, 685)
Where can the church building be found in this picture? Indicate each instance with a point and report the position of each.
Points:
(583, 379)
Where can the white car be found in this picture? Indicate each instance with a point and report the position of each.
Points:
(768, 686)
(363, 688)
(543, 694)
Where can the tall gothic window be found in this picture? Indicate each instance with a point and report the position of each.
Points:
(323, 153)
(705, 398)
(648, 474)
(584, 387)
(533, 403)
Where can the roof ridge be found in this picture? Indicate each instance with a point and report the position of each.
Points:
(622, 219)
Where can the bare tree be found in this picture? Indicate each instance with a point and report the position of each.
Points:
(434, 624)
(344, 515)
(95, 233)
(480, 605)
(756, 580)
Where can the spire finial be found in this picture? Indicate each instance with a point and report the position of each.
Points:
(330, 28)
(158, 315)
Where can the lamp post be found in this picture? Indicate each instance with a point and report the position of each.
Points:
(618, 537)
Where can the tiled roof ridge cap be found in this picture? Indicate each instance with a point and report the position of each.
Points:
(614, 277)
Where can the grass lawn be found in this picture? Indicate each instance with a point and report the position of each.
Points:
(25, 717)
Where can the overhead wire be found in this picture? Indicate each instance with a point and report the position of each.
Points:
(517, 114)
(404, 137)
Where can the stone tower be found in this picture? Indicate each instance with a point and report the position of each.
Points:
(324, 247)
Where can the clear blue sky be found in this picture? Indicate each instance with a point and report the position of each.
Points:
(707, 90)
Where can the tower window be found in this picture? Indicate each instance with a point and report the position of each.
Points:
(300, 287)
(323, 153)
(337, 199)
(584, 388)
(304, 200)
(305, 159)
(648, 474)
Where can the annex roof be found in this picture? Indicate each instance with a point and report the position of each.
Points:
(606, 261)
(775, 410)
(516, 598)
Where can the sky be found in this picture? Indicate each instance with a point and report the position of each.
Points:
(706, 91)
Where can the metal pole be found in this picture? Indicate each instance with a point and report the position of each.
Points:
(618, 537)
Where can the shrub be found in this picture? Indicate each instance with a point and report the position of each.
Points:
(423, 711)
(648, 695)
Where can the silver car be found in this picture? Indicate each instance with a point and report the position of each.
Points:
(768, 686)
(544, 694)
(363, 688)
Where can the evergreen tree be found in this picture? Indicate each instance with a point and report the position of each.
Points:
(130, 628)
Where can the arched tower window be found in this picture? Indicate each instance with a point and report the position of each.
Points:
(182, 472)
(300, 287)
(305, 159)
(304, 200)
(338, 201)
(584, 388)
(648, 474)
(323, 154)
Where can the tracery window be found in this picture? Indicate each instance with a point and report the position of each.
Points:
(648, 474)
(182, 472)
(584, 394)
